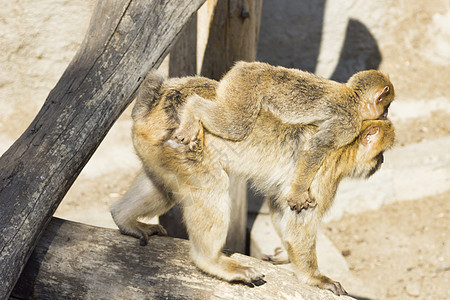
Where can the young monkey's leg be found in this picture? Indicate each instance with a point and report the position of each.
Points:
(228, 117)
(299, 198)
(188, 130)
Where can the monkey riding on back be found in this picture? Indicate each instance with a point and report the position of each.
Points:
(296, 97)
(195, 172)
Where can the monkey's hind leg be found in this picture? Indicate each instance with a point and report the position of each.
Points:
(298, 233)
(143, 199)
(228, 117)
(188, 130)
(207, 218)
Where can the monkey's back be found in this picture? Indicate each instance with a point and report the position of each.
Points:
(293, 95)
(268, 156)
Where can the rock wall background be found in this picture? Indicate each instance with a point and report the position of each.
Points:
(409, 40)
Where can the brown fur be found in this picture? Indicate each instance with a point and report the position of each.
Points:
(296, 97)
(197, 178)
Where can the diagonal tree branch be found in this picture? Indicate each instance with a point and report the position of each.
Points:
(124, 41)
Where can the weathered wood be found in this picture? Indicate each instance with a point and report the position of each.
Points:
(237, 230)
(76, 261)
(232, 35)
(125, 39)
(183, 56)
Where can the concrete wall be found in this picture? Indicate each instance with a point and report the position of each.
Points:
(410, 40)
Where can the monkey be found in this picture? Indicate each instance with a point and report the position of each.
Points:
(296, 97)
(197, 177)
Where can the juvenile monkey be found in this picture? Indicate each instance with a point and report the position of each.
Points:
(296, 97)
(196, 177)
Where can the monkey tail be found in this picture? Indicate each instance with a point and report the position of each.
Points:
(148, 95)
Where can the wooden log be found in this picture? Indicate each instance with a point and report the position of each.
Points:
(125, 39)
(183, 56)
(76, 261)
(232, 35)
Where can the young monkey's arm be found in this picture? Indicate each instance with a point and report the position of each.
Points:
(331, 135)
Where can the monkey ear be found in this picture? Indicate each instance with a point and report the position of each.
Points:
(370, 135)
(381, 93)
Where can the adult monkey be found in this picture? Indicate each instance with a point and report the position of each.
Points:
(196, 176)
(296, 97)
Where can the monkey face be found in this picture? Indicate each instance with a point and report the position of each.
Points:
(377, 136)
(376, 90)
(384, 115)
(383, 99)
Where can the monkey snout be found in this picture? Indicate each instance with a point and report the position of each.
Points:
(384, 115)
(380, 160)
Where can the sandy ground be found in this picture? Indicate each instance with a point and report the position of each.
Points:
(401, 249)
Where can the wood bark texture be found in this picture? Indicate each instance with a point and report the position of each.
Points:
(77, 261)
(232, 35)
(183, 55)
(125, 39)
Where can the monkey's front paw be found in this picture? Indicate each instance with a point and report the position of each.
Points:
(301, 201)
